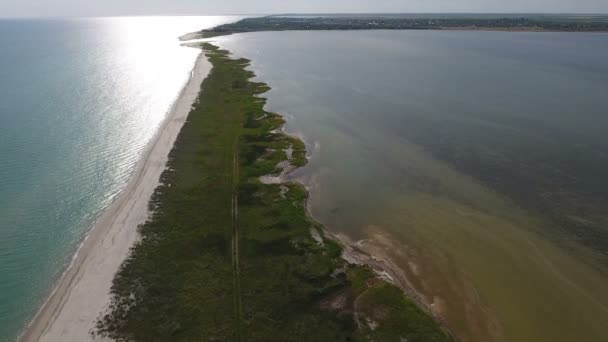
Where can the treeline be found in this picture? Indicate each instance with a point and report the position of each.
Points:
(539, 23)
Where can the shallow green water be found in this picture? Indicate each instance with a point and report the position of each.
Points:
(474, 160)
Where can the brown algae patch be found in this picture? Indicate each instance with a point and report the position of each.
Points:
(472, 257)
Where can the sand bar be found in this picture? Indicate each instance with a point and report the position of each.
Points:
(82, 293)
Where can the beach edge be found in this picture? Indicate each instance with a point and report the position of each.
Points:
(111, 237)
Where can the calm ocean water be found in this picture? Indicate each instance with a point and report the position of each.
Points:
(79, 101)
(476, 161)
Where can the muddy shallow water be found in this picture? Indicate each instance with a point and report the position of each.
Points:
(473, 160)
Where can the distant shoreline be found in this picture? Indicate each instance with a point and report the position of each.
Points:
(83, 291)
(523, 23)
(207, 35)
(210, 34)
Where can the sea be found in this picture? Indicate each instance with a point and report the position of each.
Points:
(80, 98)
(475, 162)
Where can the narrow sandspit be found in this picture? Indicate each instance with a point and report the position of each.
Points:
(191, 36)
(83, 293)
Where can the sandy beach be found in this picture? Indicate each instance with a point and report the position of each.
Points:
(83, 292)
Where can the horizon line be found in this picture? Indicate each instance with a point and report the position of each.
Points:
(298, 14)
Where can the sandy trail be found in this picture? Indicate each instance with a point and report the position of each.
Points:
(83, 292)
(236, 270)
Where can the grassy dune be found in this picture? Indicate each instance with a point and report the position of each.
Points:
(226, 257)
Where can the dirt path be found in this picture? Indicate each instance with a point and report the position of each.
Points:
(356, 305)
(236, 271)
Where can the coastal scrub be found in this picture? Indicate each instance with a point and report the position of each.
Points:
(225, 256)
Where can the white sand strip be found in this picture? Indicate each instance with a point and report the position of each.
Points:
(82, 294)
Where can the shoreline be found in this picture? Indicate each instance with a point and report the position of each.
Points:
(83, 291)
(353, 252)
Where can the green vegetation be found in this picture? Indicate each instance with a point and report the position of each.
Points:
(226, 257)
(415, 22)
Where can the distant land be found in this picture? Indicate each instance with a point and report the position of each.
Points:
(493, 22)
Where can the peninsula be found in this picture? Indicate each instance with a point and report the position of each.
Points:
(229, 254)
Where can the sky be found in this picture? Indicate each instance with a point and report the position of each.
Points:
(70, 8)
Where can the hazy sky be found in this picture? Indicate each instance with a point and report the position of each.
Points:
(27, 8)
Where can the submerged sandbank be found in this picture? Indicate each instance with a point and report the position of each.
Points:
(83, 292)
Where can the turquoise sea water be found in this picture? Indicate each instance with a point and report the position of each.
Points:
(79, 101)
